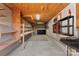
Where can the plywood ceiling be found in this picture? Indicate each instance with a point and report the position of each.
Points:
(46, 10)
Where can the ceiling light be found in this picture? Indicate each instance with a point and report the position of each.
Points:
(37, 17)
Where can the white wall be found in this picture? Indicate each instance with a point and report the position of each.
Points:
(39, 27)
(64, 13)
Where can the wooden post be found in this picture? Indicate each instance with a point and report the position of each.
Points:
(23, 35)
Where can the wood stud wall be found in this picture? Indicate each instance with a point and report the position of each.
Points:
(77, 15)
(16, 22)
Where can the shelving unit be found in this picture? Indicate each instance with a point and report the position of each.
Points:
(6, 30)
(25, 30)
(3, 33)
(8, 40)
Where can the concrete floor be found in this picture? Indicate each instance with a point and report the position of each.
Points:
(39, 45)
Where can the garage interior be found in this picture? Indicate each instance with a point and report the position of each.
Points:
(39, 29)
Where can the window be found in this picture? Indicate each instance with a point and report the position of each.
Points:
(56, 28)
(65, 26)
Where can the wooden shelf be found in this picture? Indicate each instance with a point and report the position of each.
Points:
(1, 15)
(26, 33)
(4, 45)
(7, 32)
(26, 29)
(2, 9)
(4, 24)
(26, 26)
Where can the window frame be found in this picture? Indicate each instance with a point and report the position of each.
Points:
(68, 18)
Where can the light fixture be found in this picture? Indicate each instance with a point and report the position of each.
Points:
(37, 17)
